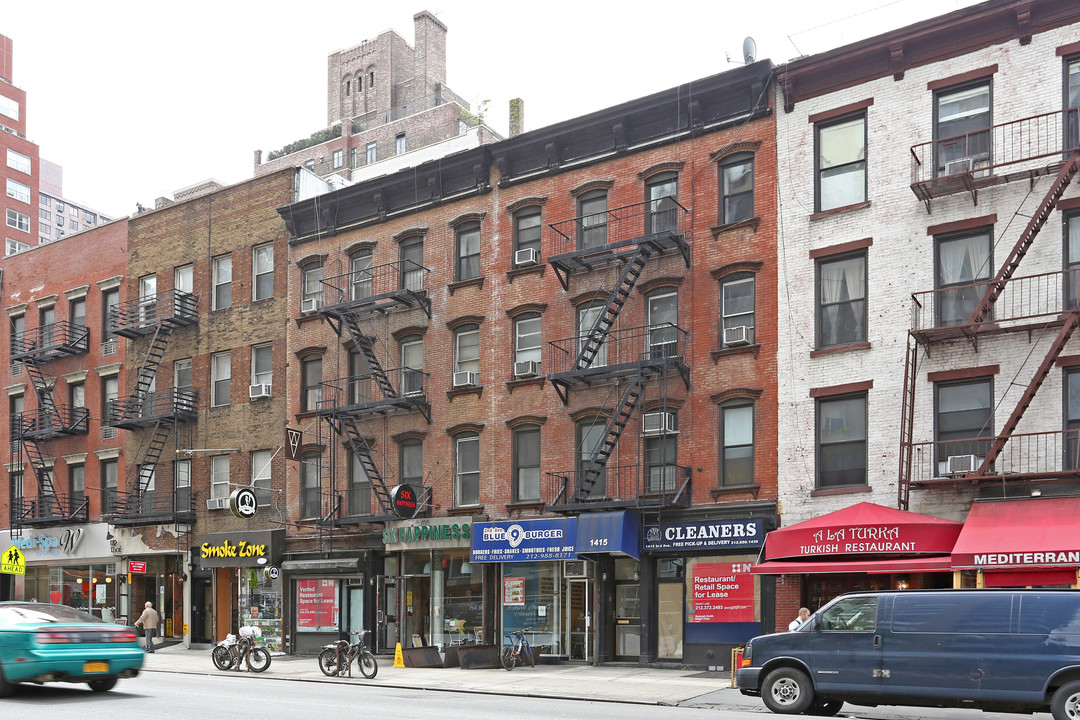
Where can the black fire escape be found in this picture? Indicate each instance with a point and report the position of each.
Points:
(152, 414)
(32, 429)
(629, 361)
(1044, 305)
(353, 304)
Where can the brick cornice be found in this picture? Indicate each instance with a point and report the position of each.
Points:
(841, 248)
(526, 308)
(670, 166)
(514, 423)
(750, 266)
(958, 225)
(963, 373)
(410, 232)
(463, 218)
(590, 186)
(844, 389)
(464, 320)
(464, 428)
(534, 201)
(747, 393)
(840, 111)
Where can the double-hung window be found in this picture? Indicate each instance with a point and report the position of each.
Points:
(358, 495)
(841, 300)
(310, 485)
(661, 458)
(220, 378)
(527, 235)
(312, 276)
(1072, 261)
(412, 365)
(592, 219)
(662, 193)
(18, 161)
(737, 188)
(467, 469)
(261, 461)
(737, 310)
(222, 278)
(962, 128)
(841, 162)
(360, 278)
(590, 438)
(963, 268)
(263, 272)
(964, 424)
(219, 476)
(338, 159)
(411, 254)
(527, 340)
(262, 365)
(1072, 420)
(468, 251)
(737, 443)
(841, 441)
(1072, 103)
(527, 463)
(311, 391)
(467, 354)
(372, 153)
(411, 461)
(587, 315)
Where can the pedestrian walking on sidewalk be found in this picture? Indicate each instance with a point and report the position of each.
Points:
(804, 615)
(148, 621)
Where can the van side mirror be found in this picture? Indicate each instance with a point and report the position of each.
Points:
(815, 623)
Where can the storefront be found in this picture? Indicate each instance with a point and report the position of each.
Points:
(429, 593)
(1019, 543)
(236, 581)
(861, 547)
(329, 599)
(153, 566)
(705, 599)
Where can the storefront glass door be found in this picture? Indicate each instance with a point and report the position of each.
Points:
(627, 610)
(579, 614)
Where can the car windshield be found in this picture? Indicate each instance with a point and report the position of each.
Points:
(42, 613)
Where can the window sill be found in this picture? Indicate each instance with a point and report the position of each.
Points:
(751, 223)
(840, 349)
(537, 269)
(519, 505)
(849, 490)
(730, 490)
(477, 281)
(305, 415)
(477, 390)
(739, 350)
(466, 510)
(513, 385)
(840, 210)
(306, 317)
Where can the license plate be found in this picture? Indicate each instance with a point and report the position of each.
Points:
(95, 667)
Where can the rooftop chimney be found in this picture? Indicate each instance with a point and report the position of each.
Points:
(517, 117)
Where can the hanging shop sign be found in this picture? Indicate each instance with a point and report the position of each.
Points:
(252, 549)
(243, 503)
(524, 540)
(428, 533)
(403, 501)
(705, 535)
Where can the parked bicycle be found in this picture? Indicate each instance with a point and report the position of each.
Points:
(233, 653)
(336, 659)
(518, 652)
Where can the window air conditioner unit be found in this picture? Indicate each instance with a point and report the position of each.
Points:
(260, 390)
(574, 568)
(217, 503)
(466, 379)
(310, 305)
(960, 464)
(108, 347)
(657, 423)
(526, 256)
(526, 369)
(738, 335)
(954, 167)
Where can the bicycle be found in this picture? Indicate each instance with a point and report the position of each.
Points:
(232, 652)
(336, 659)
(518, 652)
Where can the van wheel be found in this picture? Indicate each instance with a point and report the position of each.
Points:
(787, 691)
(1065, 705)
(825, 708)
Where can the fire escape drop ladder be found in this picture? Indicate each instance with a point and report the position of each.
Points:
(347, 426)
(907, 421)
(48, 413)
(615, 301)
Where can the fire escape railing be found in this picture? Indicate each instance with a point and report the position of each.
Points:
(376, 288)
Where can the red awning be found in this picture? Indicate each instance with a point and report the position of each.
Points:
(1020, 534)
(863, 530)
(938, 563)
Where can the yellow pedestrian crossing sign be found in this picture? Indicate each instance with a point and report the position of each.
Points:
(13, 562)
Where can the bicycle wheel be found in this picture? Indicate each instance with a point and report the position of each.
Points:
(223, 659)
(527, 653)
(328, 662)
(258, 659)
(368, 666)
(508, 657)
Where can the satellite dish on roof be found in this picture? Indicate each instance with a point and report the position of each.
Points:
(749, 50)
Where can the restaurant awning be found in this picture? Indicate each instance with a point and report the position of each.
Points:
(937, 563)
(1020, 534)
(863, 531)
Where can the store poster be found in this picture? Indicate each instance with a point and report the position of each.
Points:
(722, 592)
(317, 608)
(514, 591)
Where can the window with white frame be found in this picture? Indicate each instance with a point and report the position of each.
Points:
(590, 438)
(412, 364)
(44, 214)
(110, 393)
(841, 162)
(220, 378)
(662, 192)
(18, 220)
(219, 476)
(18, 161)
(841, 301)
(411, 461)
(77, 483)
(662, 319)
(467, 350)
(527, 463)
(9, 107)
(338, 159)
(587, 316)
(660, 454)
(399, 143)
(360, 278)
(263, 271)
(527, 341)
(312, 276)
(14, 246)
(110, 478)
(372, 153)
(592, 219)
(262, 364)
(311, 390)
(468, 251)
(77, 312)
(222, 278)
(358, 496)
(737, 310)
(467, 469)
(411, 254)
(18, 191)
(260, 474)
(182, 484)
(527, 230)
(962, 128)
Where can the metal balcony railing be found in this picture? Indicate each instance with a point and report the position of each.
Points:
(165, 405)
(56, 339)
(50, 423)
(153, 506)
(358, 392)
(50, 509)
(1022, 148)
(641, 485)
(618, 227)
(622, 349)
(393, 282)
(1051, 454)
(1022, 302)
(139, 316)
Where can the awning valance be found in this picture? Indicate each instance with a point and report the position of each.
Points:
(1020, 534)
(937, 563)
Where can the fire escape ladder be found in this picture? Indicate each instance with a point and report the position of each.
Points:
(46, 404)
(144, 469)
(148, 370)
(49, 503)
(618, 422)
(1035, 224)
(907, 420)
(366, 345)
(616, 300)
(347, 426)
(1072, 319)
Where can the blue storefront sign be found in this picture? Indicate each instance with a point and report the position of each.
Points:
(615, 533)
(524, 540)
(705, 535)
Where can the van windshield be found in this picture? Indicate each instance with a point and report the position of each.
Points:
(857, 614)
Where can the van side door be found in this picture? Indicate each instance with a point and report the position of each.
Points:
(845, 648)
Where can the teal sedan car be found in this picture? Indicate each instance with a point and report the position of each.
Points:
(42, 643)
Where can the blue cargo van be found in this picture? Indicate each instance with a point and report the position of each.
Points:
(1000, 650)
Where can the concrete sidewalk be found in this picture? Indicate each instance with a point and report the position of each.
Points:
(607, 683)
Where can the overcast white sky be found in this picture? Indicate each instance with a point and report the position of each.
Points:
(139, 99)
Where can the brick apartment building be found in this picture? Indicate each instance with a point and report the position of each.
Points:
(385, 99)
(20, 171)
(929, 209)
(567, 335)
